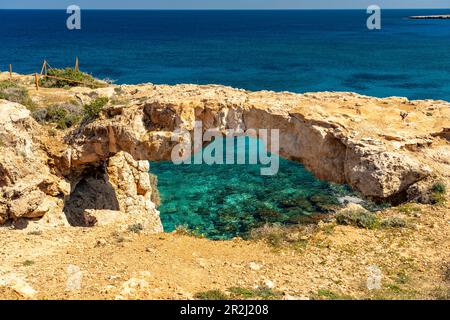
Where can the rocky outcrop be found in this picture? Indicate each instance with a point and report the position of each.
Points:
(341, 137)
(135, 189)
(29, 188)
(384, 148)
(119, 191)
(33, 184)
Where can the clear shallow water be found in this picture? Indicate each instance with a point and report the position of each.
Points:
(277, 50)
(223, 201)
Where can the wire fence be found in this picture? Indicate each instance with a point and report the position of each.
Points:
(44, 74)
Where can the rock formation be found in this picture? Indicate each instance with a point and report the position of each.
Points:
(330, 133)
(29, 188)
(383, 148)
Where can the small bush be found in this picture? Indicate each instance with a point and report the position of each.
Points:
(136, 228)
(438, 191)
(211, 295)
(184, 230)
(259, 293)
(394, 222)
(93, 109)
(64, 115)
(439, 187)
(409, 208)
(14, 92)
(330, 295)
(360, 219)
(28, 263)
(273, 234)
(75, 79)
(35, 233)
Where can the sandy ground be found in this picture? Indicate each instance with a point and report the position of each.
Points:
(328, 262)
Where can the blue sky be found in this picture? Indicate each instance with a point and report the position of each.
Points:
(221, 4)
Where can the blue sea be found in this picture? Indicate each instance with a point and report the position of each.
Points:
(224, 201)
(299, 51)
(296, 51)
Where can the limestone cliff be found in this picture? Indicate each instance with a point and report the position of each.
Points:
(377, 146)
(384, 148)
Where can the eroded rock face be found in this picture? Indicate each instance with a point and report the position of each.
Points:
(135, 189)
(33, 183)
(384, 148)
(28, 187)
(119, 191)
(365, 142)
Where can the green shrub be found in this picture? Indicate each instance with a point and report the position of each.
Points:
(28, 263)
(93, 109)
(14, 92)
(258, 293)
(184, 230)
(64, 115)
(75, 79)
(409, 208)
(393, 222)
(35, 233)
(330, 295)
(211, 295)
(362, 219)
(136, 228)
(273, 234)
(438, 191)
(439, 187)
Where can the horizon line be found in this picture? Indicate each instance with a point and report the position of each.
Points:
(228, 9)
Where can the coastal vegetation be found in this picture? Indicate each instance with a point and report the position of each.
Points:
(69, 77)
(15, 92)
(64, 115)
(93, 109)
(240, 293)
(68, 114)
(358, 218)
(438, 191)
(211, 295)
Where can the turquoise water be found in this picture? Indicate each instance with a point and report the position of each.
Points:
(298, 51)
(223, 201)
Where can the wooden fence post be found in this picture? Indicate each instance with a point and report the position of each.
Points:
(10, 71)
(44, 67)
(36, 79)
(76, 64)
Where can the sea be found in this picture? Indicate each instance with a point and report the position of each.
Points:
(298, 51)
